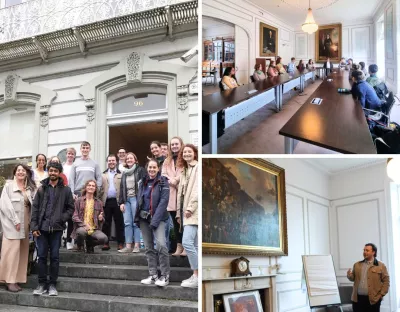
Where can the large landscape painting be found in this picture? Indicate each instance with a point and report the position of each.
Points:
(243, 207)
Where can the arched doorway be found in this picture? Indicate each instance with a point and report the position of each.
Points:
(135, 117)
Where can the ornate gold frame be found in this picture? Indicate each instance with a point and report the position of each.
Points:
(262, 27)
(225, 249)
(317, 56)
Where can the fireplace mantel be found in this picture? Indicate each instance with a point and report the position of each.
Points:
(228, 285)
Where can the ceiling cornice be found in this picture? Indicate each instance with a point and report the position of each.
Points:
(315, 165)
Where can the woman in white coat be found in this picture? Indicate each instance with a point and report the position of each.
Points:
(187, 212)
(15, 211)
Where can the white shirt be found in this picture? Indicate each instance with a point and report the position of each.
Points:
(328, 65)
(67, 169)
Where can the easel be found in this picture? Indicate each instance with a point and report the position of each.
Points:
(328, 306)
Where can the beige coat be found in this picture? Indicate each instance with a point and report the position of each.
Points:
(378, 281)
(190, 202)
(173, 174)
(12, 210)
(106, 185)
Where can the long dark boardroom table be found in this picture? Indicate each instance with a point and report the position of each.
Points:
(338, 123)
(244, 100)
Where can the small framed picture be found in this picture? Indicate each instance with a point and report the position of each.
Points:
(267, 62)
(248, 301)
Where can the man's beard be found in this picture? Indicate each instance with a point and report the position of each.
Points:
(53, 178)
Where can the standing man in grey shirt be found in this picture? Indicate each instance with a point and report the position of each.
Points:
(84, 169)
(371, 281)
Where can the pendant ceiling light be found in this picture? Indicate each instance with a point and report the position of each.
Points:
(309, 26)
(393, 169)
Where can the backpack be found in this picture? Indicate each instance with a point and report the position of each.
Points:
(387, 139)
(381, 91)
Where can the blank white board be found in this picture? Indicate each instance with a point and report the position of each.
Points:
(321, 280)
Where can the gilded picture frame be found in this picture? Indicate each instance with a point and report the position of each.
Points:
(244, 207)
(328, 43)
(268, 40)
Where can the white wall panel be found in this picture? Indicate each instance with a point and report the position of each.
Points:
(75, 107)
(318, 219)
(361, 42)
(67, 122)
(351, 215)
(59, 137)
(242, 56)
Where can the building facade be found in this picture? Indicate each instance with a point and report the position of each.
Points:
(114, 73)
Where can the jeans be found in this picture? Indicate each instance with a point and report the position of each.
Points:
(45, 241)
(167, 229)
(97, 237)
(363, 305)
(189, 242)
(160, 252)
(132, 232)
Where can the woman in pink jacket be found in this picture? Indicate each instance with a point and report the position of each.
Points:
(172, 171)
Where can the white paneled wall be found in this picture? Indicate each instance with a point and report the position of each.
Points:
(357, 42)
(242, 55)
(358, 220)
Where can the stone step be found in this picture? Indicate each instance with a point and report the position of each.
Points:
(118, 288)
(14, 308)
(96, 303)
(118, 272)
(113, 257)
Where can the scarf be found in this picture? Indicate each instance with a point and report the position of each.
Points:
(130, 171)
(259, 72)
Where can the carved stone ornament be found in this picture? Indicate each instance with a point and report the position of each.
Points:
(134, 65)
(183, 97)
(11, 87)
(90, 112)
(44, 119)
(44, 115)
(193, 86)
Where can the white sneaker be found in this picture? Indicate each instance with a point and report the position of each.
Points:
(192, 282)
(136, 250)
(70, 246)
(152, 279)
(162, 281)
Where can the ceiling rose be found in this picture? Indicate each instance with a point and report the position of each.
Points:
(315, 4)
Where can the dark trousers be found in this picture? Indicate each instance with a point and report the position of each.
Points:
(45, 241)
(176, 227)
(363, 305)
(111, 209)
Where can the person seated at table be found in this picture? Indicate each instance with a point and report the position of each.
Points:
(343, 62)
(272, 70)
(363, 69)
(301, 65)
(292, 65)
(356, 67)
(349, 64)
(258, 73)
(373, 80)
(279, 66)
(229, 80)
(310, 65)
(364, 92)
(328, 65)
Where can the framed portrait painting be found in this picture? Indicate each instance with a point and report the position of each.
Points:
(268, 40)
(249, 301)
(244, 207)
(328, 43)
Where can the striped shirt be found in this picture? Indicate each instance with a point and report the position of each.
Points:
(81, 172)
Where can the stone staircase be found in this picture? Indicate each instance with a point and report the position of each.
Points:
(106, 282)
